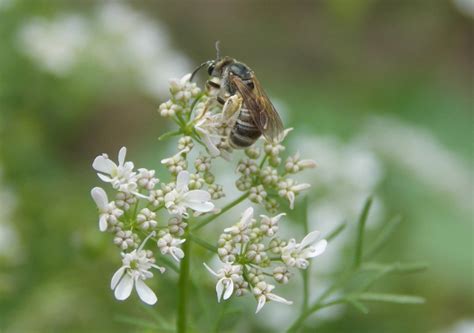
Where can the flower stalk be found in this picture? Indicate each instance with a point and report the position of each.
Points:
(183, 289)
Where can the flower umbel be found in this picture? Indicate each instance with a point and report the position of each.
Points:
(135, 269)
(243, 251)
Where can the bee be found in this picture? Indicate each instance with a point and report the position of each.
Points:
(246, 107)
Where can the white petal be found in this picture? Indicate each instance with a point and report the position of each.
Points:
(211, 146)
(247, 216)
(145, 293)
(177, 253)
(300, 187)
(197, 195)
(229, 289)
(209, 269)
(318, 249)
(202, 207)
(219, 289)
(104, 178)
(121, 155)
(182, 181)
(116, 277)
(103, 164)
(124, 288)
(310, 238)
(100, 197)
(279, 299)
(185, 78)
(261, 302)
(291, 198)
(103, 223)
(198, 200)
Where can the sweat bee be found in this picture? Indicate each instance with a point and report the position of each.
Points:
(246, 108)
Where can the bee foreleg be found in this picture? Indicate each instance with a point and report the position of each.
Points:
(231, 109)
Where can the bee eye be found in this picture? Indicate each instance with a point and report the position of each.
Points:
(210, 69)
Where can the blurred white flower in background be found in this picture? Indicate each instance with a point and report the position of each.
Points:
(418, 151)
(465, 6)
(56, 44)
(115, 37)
(461, 326)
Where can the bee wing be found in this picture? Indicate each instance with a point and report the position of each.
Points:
(263, 112)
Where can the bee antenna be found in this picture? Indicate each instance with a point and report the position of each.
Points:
(218, 51)
(199, 68)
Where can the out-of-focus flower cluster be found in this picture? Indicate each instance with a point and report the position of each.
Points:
(115, 38)
(253, 257)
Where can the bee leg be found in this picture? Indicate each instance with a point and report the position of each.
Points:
(231, 109)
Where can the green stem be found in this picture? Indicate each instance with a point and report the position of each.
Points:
(312, 309)
(307, 271)
(183, 288)
(223, 210)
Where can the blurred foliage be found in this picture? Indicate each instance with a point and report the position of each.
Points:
(333, 64)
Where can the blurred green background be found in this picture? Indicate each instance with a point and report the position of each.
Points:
(379, 93)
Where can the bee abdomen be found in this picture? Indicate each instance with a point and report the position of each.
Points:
(244, 133)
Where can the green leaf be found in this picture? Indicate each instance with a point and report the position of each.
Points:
(382, 238)
(333, 234)
(168, 135)
(397, 267)
(391, 298)
(360, 233)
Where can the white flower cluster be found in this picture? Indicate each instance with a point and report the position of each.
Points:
(268, 181)
(250, 251)
(133, 214)
(201, 119)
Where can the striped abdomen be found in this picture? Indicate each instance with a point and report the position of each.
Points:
(244, 133)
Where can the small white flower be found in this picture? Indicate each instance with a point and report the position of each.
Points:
(207, 126)
(185, 144)
(135, 269)
(240, 231)
(289, 188)
(108, 212)
(178, 200)
(175, 163)
(293, 164)
(269, 225)
(227, 276)
(296, 254)
(121, 176)
(169, 245)
(263, 293)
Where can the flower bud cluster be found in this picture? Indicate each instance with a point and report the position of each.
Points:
(251, 252)
(268, 179)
